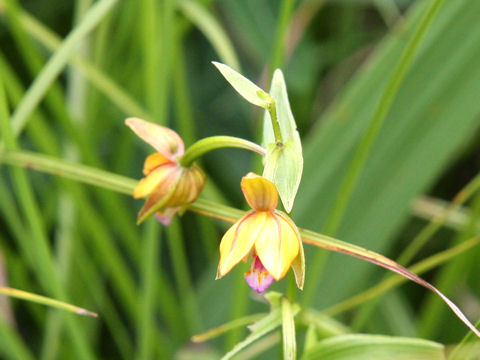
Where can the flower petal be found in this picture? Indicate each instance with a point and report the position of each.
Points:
(277, 245)
(260, 193)
(238, 241)
(153, 161)
(164, 140)
(298, 264)
(149, 183)
(159, 197)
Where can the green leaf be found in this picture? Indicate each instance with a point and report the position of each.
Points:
(283, 163)
(288, 330)
(375, 347)
(249, 91)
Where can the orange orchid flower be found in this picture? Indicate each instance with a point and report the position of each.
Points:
(168, 186)
(268, 234)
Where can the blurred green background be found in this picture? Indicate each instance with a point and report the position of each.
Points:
(154, 287)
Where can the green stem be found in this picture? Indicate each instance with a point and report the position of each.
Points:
(269, 104)
(288, 330)
(272, 109)
(217, 142)
(220, 330)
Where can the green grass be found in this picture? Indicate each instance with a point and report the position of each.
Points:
(385, 95)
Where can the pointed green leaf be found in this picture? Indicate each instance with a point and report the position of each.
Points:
(249, 91)
(375, 347)
(283, 162)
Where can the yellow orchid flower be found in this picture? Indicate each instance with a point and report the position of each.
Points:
(268, 234)
(168, 186)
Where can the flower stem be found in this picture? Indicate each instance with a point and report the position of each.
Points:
(217, 142)
(272, 109)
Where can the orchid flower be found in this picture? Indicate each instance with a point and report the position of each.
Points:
(267, 234)
(168, 186)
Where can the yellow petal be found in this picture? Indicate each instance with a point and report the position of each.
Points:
(238, 241)
(260, 193)
(164, 140)
(298, 264)
(277, 245)
(159, 197)
(153, 161)
(149, 183)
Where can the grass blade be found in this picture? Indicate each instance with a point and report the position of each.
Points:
(25, 295)
(56, 64)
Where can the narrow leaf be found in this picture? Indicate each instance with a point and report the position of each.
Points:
(212, 333)
(375, 347)
(333, 244)
(259, 329)
(249, 91)
(19, 294)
